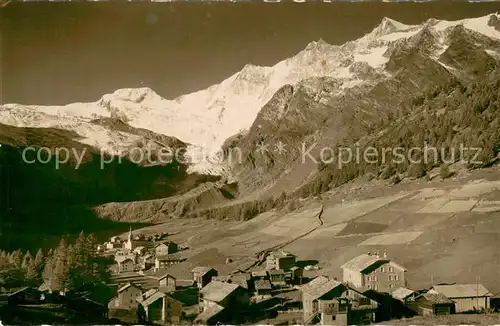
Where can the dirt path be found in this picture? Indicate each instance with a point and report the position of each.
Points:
(261, 255)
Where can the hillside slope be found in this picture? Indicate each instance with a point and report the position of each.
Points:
(39, 201)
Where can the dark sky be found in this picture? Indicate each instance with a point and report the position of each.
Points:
(56, 53)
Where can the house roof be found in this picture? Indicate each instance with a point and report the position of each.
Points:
(263, 285)
(463, 290)
(402, 293)
(319, 286)
(19, 291)
(202, 270)
(262, 273)
(139, 248)
(126, 286)
(276, 272)
(165, 276)
(146, 294)
(175, 256)
(165, 243)
(217, 291)
(155, 274)
(152, 298)
(209, 313)
(361, 262)
(241, 279)
(434, 297)
(281, 253)
(122, 259)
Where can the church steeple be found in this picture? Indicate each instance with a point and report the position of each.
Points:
(128, 245)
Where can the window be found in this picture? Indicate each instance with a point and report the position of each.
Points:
(376, 287)
(382, 269)
(333, 317)
(364, 301)
(390, 286)
(390, 277)
(347, 292)
(396, 277)
(391, 269)
(375, 278)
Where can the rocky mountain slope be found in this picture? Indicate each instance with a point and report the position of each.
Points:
(376, 90)
(40, 201)
(428, 59)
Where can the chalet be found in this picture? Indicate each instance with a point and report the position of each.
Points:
(146, 262)
(166, 248)
(125, 264)
(226, 301)
(146, 295)
(374, 272)
(242, 279)
(277, 277)
(113, 245)
(320, 301)
(362, 309)
(280, 260)
(126, 297)
(26, 295)
(388, 307)
(158, 307)
(94, 304)
(167, 283)
(296, 274)
(431, 303)
(139, 237)
(140, 250)
(260, 275)
(263, 287)
(495, 302)
(203, 275)
(467, 297)
(402, 294)
(335, 303)
(168, 260)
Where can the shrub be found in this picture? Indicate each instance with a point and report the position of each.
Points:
(396, 179)
(444, 171)
(417, 170)
(387, 172)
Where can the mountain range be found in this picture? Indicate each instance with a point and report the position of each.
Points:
(376, 90)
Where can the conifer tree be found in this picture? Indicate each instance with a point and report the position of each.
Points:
(16, 258)
(39, 263)
(26, 260)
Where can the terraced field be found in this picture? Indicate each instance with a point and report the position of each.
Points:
(447, 231)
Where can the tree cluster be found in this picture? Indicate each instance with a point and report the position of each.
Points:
(68, 267)
(444, 118)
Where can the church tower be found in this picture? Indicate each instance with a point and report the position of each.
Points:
(128, 244)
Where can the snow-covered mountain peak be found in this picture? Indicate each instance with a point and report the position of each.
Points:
(206, 118)
(132, 95)
(317, 45)
(388, 26)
